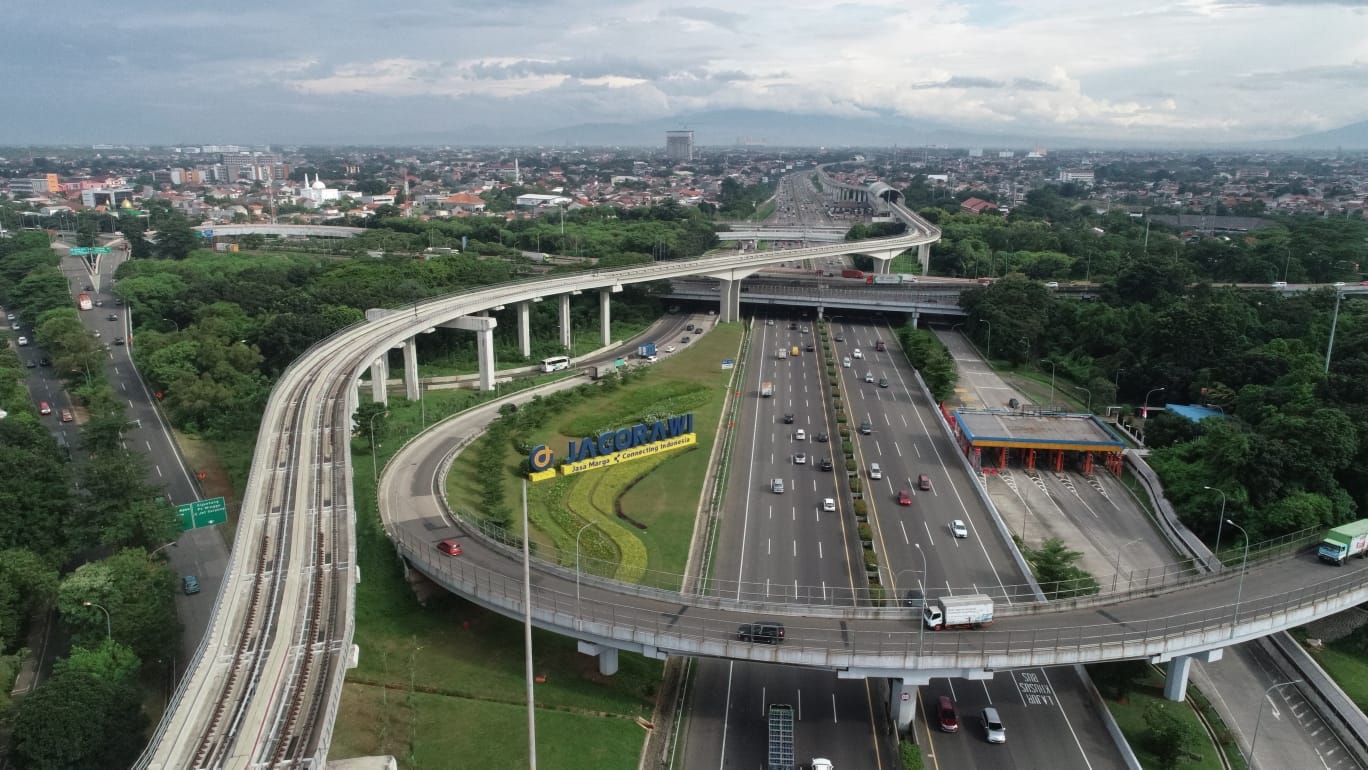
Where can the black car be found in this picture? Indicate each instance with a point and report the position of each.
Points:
(793, 327)
(788, 419)
(29, 363)
(118, 302)
(118, 340)
(820, 438)
(811, 347)
(826, 463)
(764, 633)
(839, 338)
(45, 361)
(866, 428)
(112, 317)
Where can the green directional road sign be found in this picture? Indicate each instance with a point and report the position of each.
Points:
(202, 513)
(78, 251)
(100, 250)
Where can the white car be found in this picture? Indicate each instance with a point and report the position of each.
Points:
(829, 505)
(856, 353)
(669, 348)
(800, 435)
(846, 362)
(23, 342)
(1052, 285)
(869, 376)
(958, 529)
(800, 459)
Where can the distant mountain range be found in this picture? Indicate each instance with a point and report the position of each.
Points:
(722, 128)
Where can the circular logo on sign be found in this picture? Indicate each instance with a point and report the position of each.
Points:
(540, 458)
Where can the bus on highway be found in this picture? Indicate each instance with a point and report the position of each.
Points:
(555, 363)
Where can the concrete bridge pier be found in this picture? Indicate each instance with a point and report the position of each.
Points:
(379, 373)
(902, 703)
(924, 257)
(483, 326)
(1179, 668)
(525, 328)
(607, 656)
(729, 293)
(411, 382)
(564, 300)
(605, 318)
(913, 318)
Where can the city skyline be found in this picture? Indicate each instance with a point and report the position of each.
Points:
(1195, 72)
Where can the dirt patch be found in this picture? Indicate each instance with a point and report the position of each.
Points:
(209, 471)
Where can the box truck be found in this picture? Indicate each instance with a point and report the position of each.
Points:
(958, 612)
(1344, 541)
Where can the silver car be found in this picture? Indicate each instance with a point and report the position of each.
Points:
(992, 726)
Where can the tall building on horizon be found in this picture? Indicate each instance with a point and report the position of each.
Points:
(679, 145)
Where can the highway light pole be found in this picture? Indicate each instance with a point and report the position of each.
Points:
(1286, 262)
(1244, 567)
(1220, 523)
(173, 322)
(109, 624)
(1255, 740)
(1089, 392)
(921, 622)
(527, 636)
(990, 338)
(1116, 568)
(375, 468)
(577, 569)
(1052, 376)
(1334, 321)
(1144, 410)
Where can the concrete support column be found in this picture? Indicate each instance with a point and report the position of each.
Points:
(379, 372)
(924, 257)
(483, 326)
(914, 318)
(605, 317)
(608, 661)
(411, 383)
(724, 295)
(1176, 678)
(484, 345)
(564, 300)
(902, 703)
(881, 266)
(525, 329)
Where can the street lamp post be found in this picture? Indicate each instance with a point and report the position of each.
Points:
(1219, 524)
(921, 586)
(173, 321)
(172, 544)
(1089, 392)
(1244, 567)
(990, 337)
(1286, 262)
(375, 467)
(1116, 567)
(1334, 321)
(1144, 411)
(1052, 377)
(577, 569)
(109, 624)
(1255, 740)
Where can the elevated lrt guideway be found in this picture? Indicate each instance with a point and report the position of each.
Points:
(265, 684)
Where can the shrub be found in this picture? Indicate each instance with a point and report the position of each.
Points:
(860, 508)
(866, 532)
(871, 559)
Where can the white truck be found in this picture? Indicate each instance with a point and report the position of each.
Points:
(766, 389)
(958, 612)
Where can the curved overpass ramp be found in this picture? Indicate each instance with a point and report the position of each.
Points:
(298, 231)
(265, 683)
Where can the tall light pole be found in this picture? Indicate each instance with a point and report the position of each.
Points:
(1089, 392)
(577, 569)
(1219, 524)
(1052, 376)
(527, 635)
(1116, 568)
(1144, 410)
(109, 623)
(1286, 262)
(375, 467)
(173, 321)
(990, 337)
(1255, 740)
(1116, 381)
(1334, 321)
(921, 586)
(172, 544)
(1244, 567)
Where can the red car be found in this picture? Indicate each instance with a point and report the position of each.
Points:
(945, 715)
(43, 408)
(924, 482)
(450, 547)
(904, 497)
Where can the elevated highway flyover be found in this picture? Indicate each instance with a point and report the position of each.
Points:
(265, 684)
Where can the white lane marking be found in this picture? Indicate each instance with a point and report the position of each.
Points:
(769, 549)
(897, 448)
(722, 750)
(795, 548)
(903, 527)
(800, 704)
(833, 708)
(929, 539)
(158, 467)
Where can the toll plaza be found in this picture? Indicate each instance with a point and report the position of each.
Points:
(995, 438)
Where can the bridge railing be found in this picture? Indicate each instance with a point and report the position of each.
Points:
(869, 636)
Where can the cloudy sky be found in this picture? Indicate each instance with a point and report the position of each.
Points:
(170, 71)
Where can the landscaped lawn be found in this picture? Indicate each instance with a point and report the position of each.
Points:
(1130, 715)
